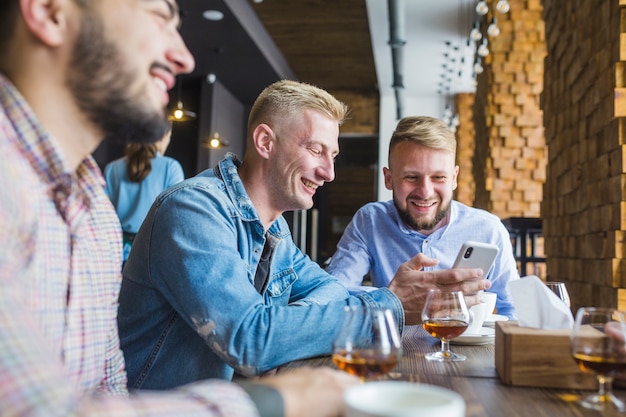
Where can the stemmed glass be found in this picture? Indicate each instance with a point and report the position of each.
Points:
(598, 346)
(367, 344)
(445, 316)
(560, 290)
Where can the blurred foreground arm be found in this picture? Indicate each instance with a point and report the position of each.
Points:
(310, 392)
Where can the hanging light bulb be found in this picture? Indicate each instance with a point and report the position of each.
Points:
(502, 6)
(478, 66)
(493, 29)
(481, 8)
(215, 142)
(179, 113)
(475, 33)
(483, 50)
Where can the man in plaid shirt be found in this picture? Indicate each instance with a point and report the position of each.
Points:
(73, 72)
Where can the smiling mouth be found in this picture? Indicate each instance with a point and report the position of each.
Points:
(158, 81)
(423, 204)
(310, 185)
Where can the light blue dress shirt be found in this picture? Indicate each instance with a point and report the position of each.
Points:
(377, 242)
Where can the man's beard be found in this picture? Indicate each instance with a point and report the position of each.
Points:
(100, 81)
(417, 225)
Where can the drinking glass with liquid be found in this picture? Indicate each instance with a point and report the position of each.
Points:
(367, 344)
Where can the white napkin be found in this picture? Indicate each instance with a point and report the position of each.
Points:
(538, 307)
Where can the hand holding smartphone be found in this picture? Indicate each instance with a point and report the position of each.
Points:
(476, 255)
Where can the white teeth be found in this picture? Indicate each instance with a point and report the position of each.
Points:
(309, 184)
(160, 83)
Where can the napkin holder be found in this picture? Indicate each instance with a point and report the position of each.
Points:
(537, 358)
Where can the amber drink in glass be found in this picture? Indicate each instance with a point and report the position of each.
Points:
(368, 343)
(445, 316)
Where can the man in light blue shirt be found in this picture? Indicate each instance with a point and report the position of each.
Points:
(421, 218)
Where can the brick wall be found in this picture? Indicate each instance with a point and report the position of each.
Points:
(465, 135)
(583, 208)
(364, 111)
(510, 151)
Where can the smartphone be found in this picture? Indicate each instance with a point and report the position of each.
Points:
(476, 255)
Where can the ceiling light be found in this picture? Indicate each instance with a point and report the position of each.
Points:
(213, 15)
(483, 50)
(211, 78)
(481, 8)
(502, 6)
(215, 142)
(478, 67)
(475, 34)
(179, 113)
(493, 29)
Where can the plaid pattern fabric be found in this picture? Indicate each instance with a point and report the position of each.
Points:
(59, 282)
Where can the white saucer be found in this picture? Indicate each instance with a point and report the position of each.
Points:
(491, 321)
(486, 336)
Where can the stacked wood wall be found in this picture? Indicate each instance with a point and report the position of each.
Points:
(510, 146)
(583, 209)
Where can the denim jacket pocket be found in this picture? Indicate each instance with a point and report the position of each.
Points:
(281, 282)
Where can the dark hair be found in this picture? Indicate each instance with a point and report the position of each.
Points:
(139, 158)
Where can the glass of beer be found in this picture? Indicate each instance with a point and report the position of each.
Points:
(367, 344)
(598, 347)
(445, 316)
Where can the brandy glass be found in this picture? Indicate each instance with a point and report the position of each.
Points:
(367, 344)
(560, 290)
(445, 316)
(598, 347)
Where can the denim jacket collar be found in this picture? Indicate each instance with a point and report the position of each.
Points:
(228, 171)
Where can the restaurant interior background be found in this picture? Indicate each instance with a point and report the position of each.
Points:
(541, 129)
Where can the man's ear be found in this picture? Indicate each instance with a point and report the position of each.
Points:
(455, 177)
(46, 19)
(388, 179)
(263, 140)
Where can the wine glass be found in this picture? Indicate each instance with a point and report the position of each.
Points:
(601, 352)
(445, 316)
(560, 290)
(367, 344)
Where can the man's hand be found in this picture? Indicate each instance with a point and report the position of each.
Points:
(411, 284)
(312, 392)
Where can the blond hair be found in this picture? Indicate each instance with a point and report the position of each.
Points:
(425, 131)
(286, 97)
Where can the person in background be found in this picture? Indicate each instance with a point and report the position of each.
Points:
(421, 218)
(134, 181)
(215, 284)
(72, 74)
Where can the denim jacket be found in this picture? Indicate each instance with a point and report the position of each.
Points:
(188, 306)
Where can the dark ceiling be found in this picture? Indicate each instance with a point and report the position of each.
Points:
(322, 42)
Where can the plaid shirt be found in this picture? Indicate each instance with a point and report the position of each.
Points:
(60, 259)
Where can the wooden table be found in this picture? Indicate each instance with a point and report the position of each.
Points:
(475, 379)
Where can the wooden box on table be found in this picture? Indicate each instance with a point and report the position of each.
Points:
(537, 358)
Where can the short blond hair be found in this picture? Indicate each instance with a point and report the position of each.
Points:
(425, 131)
(286, 97)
